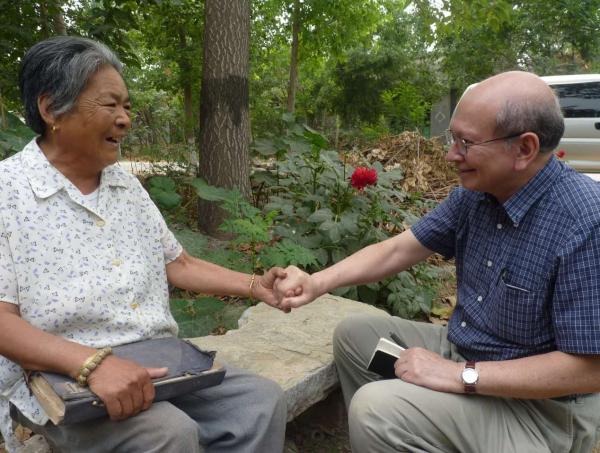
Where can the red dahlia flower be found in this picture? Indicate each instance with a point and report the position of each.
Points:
(363, 177)
(560, 153)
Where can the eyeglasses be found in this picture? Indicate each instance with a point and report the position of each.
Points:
(463, 145)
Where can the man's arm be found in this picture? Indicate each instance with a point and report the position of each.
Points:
(123, 386)
(370, 264)
(193, 274)
(547, 375)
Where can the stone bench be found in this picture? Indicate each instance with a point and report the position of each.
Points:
(293, 349)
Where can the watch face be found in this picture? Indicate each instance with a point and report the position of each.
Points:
(470, 376)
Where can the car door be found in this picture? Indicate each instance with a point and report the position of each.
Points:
(580, 103)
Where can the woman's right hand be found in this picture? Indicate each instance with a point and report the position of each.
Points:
(124, 387)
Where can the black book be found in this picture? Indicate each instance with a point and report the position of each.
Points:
(190, 369)
(384, 356)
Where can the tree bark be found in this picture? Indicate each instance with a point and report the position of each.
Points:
(185, 66)
(59, 23)
(224, 118)
(44, 27)
(293, 82)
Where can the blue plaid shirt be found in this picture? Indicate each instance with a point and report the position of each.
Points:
(528, 270)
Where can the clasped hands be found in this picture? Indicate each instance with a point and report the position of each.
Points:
(287, 288)
(291, 288)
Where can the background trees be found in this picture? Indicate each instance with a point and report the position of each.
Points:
(355, 69)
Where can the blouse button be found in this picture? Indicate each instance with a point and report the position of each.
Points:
(463, 324)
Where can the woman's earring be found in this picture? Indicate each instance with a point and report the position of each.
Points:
(53, 128)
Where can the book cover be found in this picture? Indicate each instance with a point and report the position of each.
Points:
(190, 369)
(384, 356)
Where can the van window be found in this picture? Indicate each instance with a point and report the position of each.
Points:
(579, 100)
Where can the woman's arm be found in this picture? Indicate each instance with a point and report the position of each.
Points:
(123, 386)
(193, 274)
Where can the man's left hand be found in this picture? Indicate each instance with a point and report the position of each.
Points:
(425, 368)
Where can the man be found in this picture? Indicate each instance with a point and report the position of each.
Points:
(517, 368)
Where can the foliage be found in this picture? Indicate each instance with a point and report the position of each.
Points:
(162, 189)
(252, 245)
(14, 135)
(204, 316)
(474, 39)
(317, 208)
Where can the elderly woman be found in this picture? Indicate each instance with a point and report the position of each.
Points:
(85, 262)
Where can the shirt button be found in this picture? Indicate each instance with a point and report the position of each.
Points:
(463, 324)
(479, 298)
(489, 263)
(499, 226)
(100, 223)
(516, 224)
(117, 262)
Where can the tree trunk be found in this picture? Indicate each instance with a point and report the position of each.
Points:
(224, 118)
(44, 26)
(185, 67)
(51, 18)
(293, 82)
(59, 23)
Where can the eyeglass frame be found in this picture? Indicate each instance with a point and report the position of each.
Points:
(463, 147)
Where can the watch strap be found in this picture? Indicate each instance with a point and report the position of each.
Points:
(470, 388)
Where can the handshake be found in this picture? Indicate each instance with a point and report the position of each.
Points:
(288, 288)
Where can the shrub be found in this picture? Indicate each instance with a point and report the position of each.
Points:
(318, 208)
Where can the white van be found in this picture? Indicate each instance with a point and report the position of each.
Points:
(579, 97)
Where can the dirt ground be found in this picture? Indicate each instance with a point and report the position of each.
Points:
(321, 429)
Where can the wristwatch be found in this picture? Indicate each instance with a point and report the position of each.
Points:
(470, 377)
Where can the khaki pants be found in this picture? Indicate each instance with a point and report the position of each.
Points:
(392, 415)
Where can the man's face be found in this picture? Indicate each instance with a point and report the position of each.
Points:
(486, 167)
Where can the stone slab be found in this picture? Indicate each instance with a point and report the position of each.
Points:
(293, 349)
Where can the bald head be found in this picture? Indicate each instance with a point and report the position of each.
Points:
(518, 102)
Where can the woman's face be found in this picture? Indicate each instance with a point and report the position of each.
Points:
(92, 131)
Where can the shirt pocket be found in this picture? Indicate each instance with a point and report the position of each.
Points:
(520, 314)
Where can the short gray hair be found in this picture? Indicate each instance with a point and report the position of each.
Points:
(541, 116)
(60, 67)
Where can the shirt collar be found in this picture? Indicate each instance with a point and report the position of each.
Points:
(517, 206)
(46, 180)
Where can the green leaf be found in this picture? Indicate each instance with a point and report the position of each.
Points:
(322, 256)
(163, 191)
(335, 233)
(265, 147)
(193, 242)
(210, 193)
(321, 215)
(164, 183)
(367, 294)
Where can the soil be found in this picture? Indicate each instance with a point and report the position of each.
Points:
(321, 429)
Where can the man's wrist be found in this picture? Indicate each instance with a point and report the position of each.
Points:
(470, 377)
(319, 283)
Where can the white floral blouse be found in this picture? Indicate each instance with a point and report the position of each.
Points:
(93, 275)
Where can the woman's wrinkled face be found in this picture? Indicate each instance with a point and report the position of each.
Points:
(100, 119)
